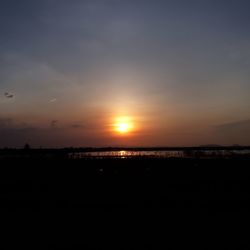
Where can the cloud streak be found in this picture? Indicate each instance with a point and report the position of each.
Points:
(52, 100)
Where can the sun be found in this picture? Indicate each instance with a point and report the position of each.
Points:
(123, 125)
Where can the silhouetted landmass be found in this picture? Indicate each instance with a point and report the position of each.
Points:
(134, 203)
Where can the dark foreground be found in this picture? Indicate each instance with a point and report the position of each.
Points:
(125, 203)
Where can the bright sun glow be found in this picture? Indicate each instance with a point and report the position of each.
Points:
(123, 125)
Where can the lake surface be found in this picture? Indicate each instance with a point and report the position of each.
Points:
(159, 154)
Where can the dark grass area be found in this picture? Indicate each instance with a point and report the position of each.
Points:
(126, 203)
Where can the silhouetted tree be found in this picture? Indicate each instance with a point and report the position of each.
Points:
(26, 146)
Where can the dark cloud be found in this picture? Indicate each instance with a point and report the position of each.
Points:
(17, 137)
(9, 95)
(13, 134)
(5, 122)
(235, 132)
(11, 124)
(235, 126)
(53, 123)
(77, 126)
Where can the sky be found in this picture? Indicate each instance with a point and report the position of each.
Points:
(177, 71)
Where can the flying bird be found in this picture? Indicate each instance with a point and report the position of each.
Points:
(8, 95)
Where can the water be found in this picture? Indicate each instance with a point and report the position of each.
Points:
(160, 154)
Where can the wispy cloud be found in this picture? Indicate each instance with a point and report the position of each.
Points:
(52, 100)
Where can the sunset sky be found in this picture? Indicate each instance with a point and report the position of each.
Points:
(124, 72)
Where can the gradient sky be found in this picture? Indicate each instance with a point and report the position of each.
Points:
(179, 69)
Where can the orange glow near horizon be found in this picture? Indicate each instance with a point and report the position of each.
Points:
(123, 125)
